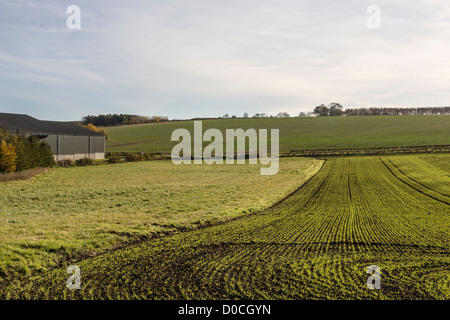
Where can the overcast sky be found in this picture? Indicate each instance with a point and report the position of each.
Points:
(201, 58)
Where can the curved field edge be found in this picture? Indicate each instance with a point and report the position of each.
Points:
(316, 244)
(73, 213)
(430, 171)
(414, 184)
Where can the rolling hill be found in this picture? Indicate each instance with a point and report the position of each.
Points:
(298, 133)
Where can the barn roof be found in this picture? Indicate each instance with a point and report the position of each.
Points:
(26, 124)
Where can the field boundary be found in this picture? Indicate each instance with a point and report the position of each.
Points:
(369, 151)
(430, 149)
(22, 175)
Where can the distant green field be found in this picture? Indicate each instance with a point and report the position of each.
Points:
(298, 133)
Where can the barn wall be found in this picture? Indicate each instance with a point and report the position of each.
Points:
(97, 145)
(76, 147)
(52, 141)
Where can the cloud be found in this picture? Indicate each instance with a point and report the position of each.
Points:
(207, 58)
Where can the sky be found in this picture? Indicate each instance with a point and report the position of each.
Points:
(207, 58)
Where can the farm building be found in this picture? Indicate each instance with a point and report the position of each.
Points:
(67, 139)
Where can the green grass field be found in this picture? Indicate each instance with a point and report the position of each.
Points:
(298, 133)
(393, 212)
(90, 209)
(154, 230)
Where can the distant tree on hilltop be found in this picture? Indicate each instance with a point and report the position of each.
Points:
(321, 110)
(335, 109)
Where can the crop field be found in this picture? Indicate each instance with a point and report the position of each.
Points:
(433, 172)
(83, 210)
(298, 133)
(393, 212)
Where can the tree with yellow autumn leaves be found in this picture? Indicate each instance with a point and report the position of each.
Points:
(19, 153)
(8, 157)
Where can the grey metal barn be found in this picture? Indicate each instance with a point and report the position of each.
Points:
(67, 139)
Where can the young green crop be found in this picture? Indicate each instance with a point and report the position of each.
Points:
(432, 171)
(316, 244)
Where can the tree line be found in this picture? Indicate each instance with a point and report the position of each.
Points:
(121, 119)
(19, 153)
(336, 109)
(420, 111)
(257, 115)
(332, 109)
